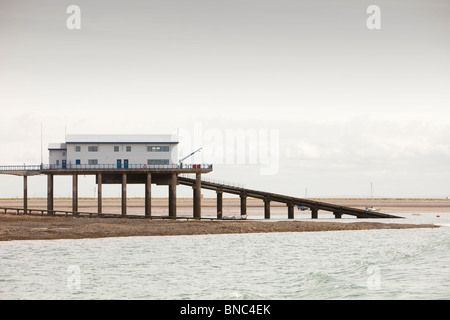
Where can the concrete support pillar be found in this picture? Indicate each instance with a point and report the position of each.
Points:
(124, 194)
(314, 213)
(243, 204)
(194, 201)
(75, 193)
(219, 204)
(148, 195)
(25, 194)
(99, 193)
(50, 194)
(290, 210)
(266, 208)
(173, 196)
(198, 196)
(337, 215)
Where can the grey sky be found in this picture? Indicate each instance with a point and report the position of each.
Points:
(352, 105)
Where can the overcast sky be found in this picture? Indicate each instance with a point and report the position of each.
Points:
(349, 105)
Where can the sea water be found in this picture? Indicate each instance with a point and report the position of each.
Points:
(366, 264)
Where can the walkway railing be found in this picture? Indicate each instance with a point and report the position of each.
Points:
(215, 181)
(21, 168)
(44, 167)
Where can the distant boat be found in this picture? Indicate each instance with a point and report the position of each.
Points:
(303, 208)
(244, 217)
(371, 208)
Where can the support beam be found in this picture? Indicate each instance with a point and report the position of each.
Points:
(290, 210)
(99, 193)
(314, 213)
(148, 196)
(266, 208)
(124, 194)
(337, 215)
(219, 203)
(173, 196)
(198, 196)
(243, 203)
(75, 193)
(25, 194)
(50, 194)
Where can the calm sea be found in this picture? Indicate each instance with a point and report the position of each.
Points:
(372, 264)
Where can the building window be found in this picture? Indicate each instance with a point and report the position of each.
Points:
(116, 148)
(128, 148)
(157, 161)
(93, 161)
(57, 162)
(77, 148)
(64, 154)
(78, 161)
(158, 148)
(92, 149)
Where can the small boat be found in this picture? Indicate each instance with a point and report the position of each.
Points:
(303, 208)
(372, 209)
(244, 217)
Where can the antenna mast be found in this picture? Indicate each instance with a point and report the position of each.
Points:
(42, 148)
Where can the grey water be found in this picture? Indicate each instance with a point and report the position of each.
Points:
(368, 264)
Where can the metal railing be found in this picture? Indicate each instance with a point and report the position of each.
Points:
(216, 181)
(21, 168)
(69, 166)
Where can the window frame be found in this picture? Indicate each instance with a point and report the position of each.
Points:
(157, 162)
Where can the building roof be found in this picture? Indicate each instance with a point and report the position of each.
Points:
(57, 146)
(121, 138)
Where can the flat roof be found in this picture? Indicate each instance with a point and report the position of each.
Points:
(122, 138)
(57, 146)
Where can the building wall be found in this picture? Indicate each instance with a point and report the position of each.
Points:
(56, 157)
(106, 153)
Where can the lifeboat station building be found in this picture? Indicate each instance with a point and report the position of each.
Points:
(114, 152)
(116, 159)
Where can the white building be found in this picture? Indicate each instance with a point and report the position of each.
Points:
(114, 151)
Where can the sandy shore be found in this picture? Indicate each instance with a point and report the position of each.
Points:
(25, 227)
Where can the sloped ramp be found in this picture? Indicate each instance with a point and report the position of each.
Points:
(291, 202)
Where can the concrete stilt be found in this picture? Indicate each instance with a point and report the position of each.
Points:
(219, 204)
(50, 194)
(194, 200)
(243, 203)
(337, 215)
(148, 195)
(75, 193)
(266, 208)
(314, 213)
(124, 194)
(25, 194)
(198, 196)
(290, 210)
(99, 193)
(173, 196)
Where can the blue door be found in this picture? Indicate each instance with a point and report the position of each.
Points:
(64, 164)
(119, 164)
(125, 163)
